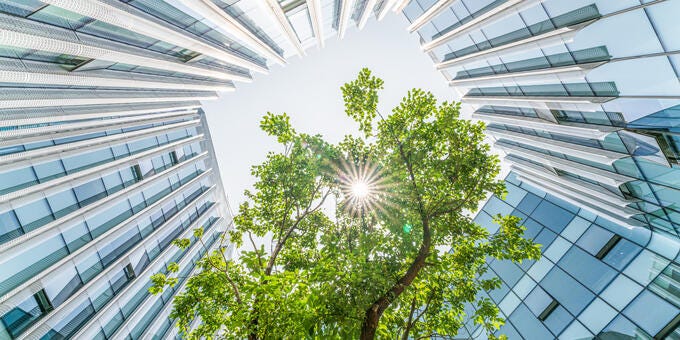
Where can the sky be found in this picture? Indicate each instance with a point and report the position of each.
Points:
(308, 90)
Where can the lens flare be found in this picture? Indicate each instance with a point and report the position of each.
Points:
(363, 188)
(360, 189)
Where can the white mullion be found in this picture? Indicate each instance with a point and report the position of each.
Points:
(49, 230)
(316, 17)
(13, 137)
(41, 327)
(227, 24)
(14, 160)
(368, 10)
(32, 35)
(113, 14)
(64, 116)
(91, 173)
(144, 212)
(346, 8)
(285, 26)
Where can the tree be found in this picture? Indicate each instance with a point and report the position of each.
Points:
(401, 255)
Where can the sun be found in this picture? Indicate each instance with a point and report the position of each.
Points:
(363, 188)
(360, 189)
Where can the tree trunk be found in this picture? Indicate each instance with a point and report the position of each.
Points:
(373, 313)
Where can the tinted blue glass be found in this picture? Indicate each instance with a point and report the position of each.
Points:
(594, 239)
(76, 236)
(495, 206)
(545, 238)
(34, 214)
(108, 218)
(527, 324)
(88, 159)
(569, 293)
(9, 226)
(552, 216)
(587, 269)
(558, 320)
(112, 182)
(537, 300)
(622, 328)
(532, 228)
(90, 191)
(120, 151)
(529, 203)
(622, 254)
(49, 170)
(17, 179)
(650, 312)
(507, 271)
(63, 203)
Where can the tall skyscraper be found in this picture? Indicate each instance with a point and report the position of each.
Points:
(582, 97)
(106, 156)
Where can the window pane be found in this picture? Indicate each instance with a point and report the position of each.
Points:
(63, 203)
(34, 215)
(90, 192)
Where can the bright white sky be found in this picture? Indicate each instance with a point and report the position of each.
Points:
(308, 89)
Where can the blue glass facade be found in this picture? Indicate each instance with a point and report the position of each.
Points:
(581, 97)
(596, 279)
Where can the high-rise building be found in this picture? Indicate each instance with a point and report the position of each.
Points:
(583, 100)
(105, 154)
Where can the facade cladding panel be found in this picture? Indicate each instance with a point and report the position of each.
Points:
(583, 99)
(105, 154)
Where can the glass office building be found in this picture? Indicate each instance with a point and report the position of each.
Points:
(582, 99)
(106, 156)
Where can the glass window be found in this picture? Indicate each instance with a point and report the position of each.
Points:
(527, 324)
(109, 218)
(63, 203)
(76, 236)
(113, 182)
(538, 300)
(622, 327)
(650, 312)
(86, 160)
(594, 239)
(61, 284)
(17, 179)
(58, 16)
(552, 216)
(89, 265)
(20, 7)
(49, 170)
(567, 291)
(34, 215)
(120, 151)
(29, 261)
(142, 144)
(507, 271)
(597, 315)
(146, 167)
(587, 269)
(19, 318)
(90, 192)
(558, 319)
(529, 203)
(9, 226)
(545, 238)
(646, 267)
(622, 253)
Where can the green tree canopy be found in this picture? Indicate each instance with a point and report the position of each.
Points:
(397, 255)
